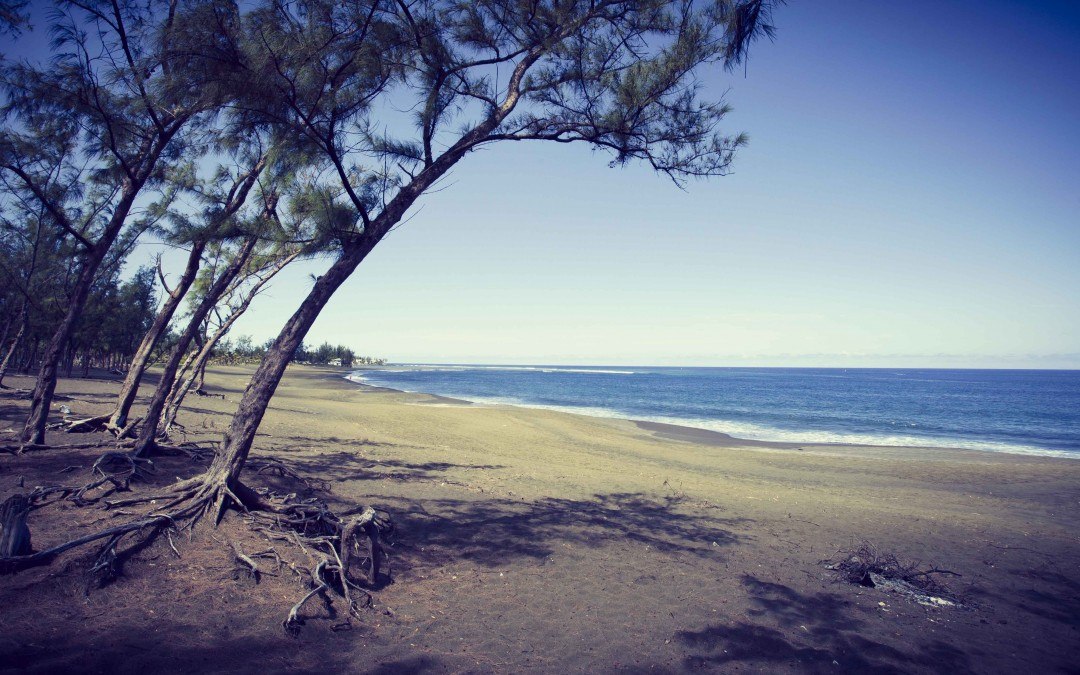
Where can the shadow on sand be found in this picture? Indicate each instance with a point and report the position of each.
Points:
(829, 638)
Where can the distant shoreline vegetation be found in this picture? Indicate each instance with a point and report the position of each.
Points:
(244, 350)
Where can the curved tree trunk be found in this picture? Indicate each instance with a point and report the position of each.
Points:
(228, 463)
(194, 369)
(41, 399)
(139, 362)
(149, 429)
(192, 373)
(236, 445)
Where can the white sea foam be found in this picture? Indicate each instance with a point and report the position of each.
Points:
(411, 367)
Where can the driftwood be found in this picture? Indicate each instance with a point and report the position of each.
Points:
(99, 423)
(867, 566)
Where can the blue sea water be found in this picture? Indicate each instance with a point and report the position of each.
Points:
(1026, 411)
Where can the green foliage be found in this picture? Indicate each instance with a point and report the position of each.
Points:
(245, 351)
(290, 99)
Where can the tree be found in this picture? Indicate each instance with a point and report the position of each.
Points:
(13, 18)
(617, 75)
(261, 269)
(221, 196)
(23, 251)
(88, 133)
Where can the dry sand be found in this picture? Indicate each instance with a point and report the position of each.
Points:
(538, 540)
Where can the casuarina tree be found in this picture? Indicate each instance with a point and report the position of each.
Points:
(621, 76)
(88, 133)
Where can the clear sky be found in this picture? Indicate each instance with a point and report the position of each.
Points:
(909, 197)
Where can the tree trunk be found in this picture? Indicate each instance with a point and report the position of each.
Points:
(24, 320)
(236, 445)
(41, 399)
(31, 357)
(8, 321)
(139, 362)
(168, 376)
(14, 534)
(194, 369)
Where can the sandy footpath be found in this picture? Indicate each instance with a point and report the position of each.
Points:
(539, 540)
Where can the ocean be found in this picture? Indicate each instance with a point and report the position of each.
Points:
(1022, 411)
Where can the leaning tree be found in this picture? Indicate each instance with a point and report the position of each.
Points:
(616, 75)
(219, 198)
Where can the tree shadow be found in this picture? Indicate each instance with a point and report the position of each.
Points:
(348, 466)
(325, 441)
(1046, 592)
(499, 532)
(495, 531)
(820, 635)
(185, 648)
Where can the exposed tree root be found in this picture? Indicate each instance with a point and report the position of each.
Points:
(21, 448)
(12, 564)
(347, 552)
(246, 563)
(273, 467)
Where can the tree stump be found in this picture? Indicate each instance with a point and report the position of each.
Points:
(14, 534)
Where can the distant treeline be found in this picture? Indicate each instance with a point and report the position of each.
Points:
(244, 350)
(116, 317)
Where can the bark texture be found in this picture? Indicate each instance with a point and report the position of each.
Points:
(24, 322)
(149, 429)
(135, 371)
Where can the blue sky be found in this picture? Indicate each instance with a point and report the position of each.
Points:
(908, 198)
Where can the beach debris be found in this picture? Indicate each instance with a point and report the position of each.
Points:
(868, 567)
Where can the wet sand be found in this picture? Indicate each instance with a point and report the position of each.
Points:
(539, 540)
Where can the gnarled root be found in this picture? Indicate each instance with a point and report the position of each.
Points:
(273, 467)
(348, 552)
(119, 468)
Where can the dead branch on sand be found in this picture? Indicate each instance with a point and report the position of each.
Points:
(867, 566)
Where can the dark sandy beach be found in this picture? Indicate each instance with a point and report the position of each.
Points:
(538, 540)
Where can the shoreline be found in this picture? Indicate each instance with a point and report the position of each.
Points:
(672, 430)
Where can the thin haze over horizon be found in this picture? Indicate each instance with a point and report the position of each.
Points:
(908, 199)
